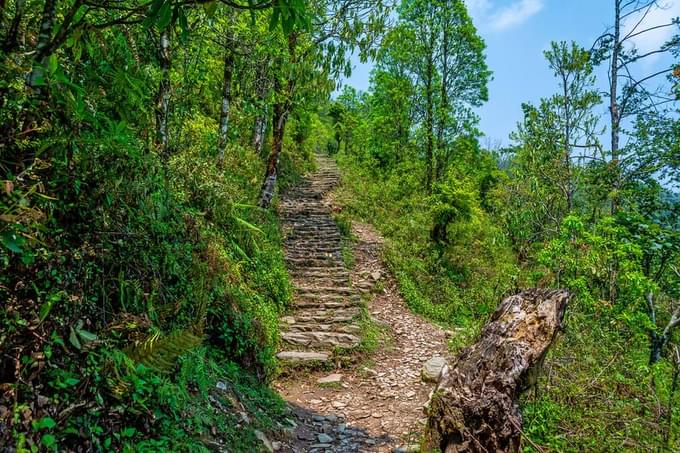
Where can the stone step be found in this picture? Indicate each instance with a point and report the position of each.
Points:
(317, 279)
(316, 262)
(299, 247)
(313, 271)
(322, 216)
(304, 227)
(299, 357)
(322, 282)
(327, 297)
(315, 258)
(333, 316)
(322, 340)
(345, 290)
(331, 240)
(329, 228)
(315, 231)
(301, 252)
(313, 238)
(328, 305)
(311, 327)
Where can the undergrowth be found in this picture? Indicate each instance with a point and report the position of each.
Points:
(118, 262)
(597, 391)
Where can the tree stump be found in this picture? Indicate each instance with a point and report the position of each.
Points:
(475, 406)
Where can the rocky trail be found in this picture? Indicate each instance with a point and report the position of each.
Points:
(371, 402)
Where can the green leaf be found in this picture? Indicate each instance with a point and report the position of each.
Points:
(210, 8)
(48, 441)
(46, 307)
(248, 225)
(12, 241)
(274, 19)
(128, 432)
(52, 63)
(183, 24)
(44, 423)
(73, 338)
(241, 252)
(164, 16)
(87, 337)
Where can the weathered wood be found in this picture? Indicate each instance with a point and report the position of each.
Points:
(475, 407)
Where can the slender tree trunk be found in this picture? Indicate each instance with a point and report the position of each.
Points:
(443, 106)
(42, 49)
(338, 138)
(12, 37)
(657, 343)
(671, 396)
(569, 191)
(260, 126)
(615, 119)
(260, 131)
(132, 43)
(614, 113)
(163, 95)
(226, 102)
(279, 119)
(280, 114)
(429, 116)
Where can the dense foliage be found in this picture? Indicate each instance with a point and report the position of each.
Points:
(467, 226)
(129, 229)
(141, 271)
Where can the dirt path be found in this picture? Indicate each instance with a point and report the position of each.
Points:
(377, 403)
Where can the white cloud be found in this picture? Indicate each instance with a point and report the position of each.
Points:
(503, 18)
(652, 40)
(478, 7)
(515, 14)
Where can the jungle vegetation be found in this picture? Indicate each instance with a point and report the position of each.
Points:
(142, 147)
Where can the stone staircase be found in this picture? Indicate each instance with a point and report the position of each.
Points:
(326, 306)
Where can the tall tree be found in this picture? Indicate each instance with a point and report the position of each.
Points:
(325, 44)
(630, 93)
(448, 68)
(163, 93)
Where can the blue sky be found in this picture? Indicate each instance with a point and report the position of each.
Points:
(517, 32)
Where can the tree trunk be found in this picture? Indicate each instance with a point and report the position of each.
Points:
(657, 342)
(12, 38)
(279, 118)
(569, 189)
(163, 95)
(260, 126)
(614, 113)
(671, 396)
(260, 131)
(280, 114)
(475, 407)
(226, 102)
(429, 118)
(42, 48)
(443, 106)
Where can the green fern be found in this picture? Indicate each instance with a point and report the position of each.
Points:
(161, 352)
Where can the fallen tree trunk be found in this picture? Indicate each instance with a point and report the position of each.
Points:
(475, 407)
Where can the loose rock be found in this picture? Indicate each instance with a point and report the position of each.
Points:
(433, 369)
(324, 438)
(330, 379)
(267, 444)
